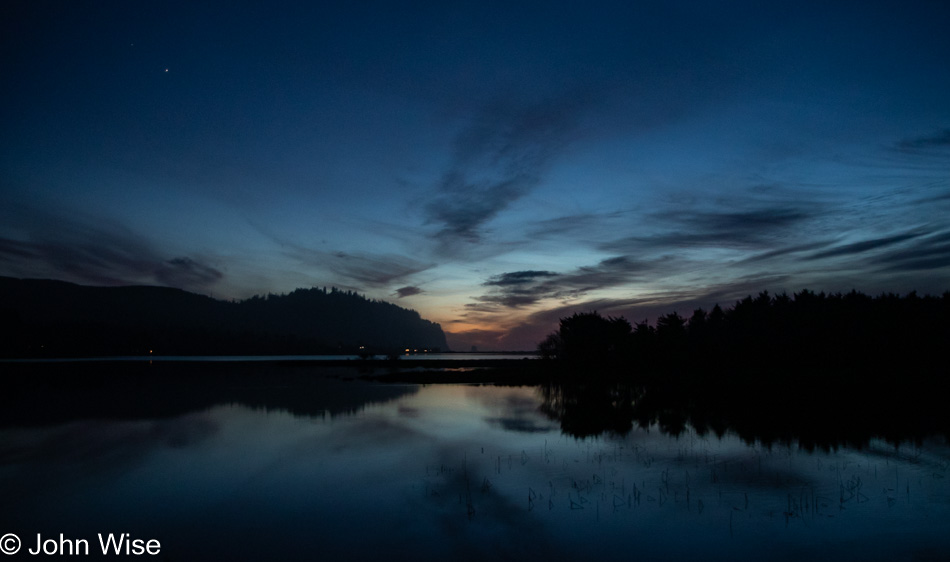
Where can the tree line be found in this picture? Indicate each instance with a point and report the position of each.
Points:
(805, 330)
(822, 369)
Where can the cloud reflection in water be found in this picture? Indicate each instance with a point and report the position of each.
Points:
(464, 472)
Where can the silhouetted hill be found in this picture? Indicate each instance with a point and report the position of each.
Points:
(44, 318)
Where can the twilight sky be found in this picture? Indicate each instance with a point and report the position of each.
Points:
(493, 165)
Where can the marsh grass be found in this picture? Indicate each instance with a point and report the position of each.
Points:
(744, 493)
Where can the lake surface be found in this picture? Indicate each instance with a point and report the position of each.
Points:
(487, 356)
(335, 469)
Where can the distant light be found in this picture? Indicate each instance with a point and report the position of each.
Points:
(166, 70)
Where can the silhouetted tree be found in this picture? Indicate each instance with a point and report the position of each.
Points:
(590, 339)
(550, 347)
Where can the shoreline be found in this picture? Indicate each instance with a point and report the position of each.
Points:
(523, 371)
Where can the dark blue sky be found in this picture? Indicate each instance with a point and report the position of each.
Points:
(494, 165)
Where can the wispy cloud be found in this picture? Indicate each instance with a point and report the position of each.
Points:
(863, 246)
(466, 204)
(518, 278)
(366, 269)
(936, 140)
(186, 272)
(107, 254)
(929, 253)
(519, 289)
(363, 269)
(612, 272)
(14, 250)
(498, 158)
(794, 249)
(581, 228)
(753, 229)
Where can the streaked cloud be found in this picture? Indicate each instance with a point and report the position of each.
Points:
(519, 289)
(103, 254)
(364, 269)
(936, 140)
(186, 272)
(752, 229)
(925, 253)
(498, 158)
(518, 278)
(863, 246)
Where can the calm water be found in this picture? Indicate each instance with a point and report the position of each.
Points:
(272, 358)
(345, 469)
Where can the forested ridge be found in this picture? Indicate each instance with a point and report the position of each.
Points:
(44, 318)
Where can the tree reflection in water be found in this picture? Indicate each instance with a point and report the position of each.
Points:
(810, 419)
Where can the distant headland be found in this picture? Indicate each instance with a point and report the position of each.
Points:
(46, 318)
